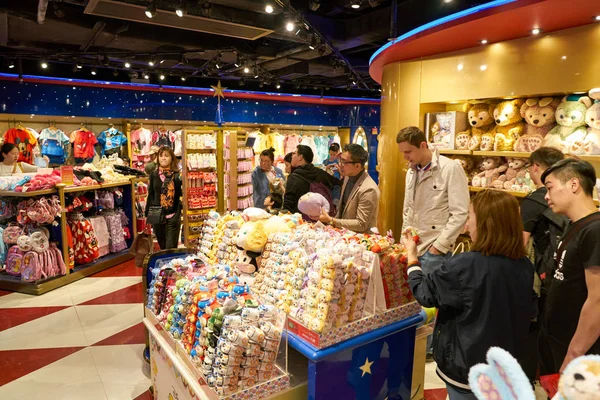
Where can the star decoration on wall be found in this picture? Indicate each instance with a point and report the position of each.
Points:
(218, 90)
(366, 367)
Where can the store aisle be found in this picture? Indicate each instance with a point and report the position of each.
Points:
(84, 340)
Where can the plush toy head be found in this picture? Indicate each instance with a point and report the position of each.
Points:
(466, 163)
(592, 116)
(517, 163)
(490, 163)
(480, 114)
(581, 379)
(508, 112)
(501, 378)
(572, 110)
(540, 112)
(252, 236)
(311, 204)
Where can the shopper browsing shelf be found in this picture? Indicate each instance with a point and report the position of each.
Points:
(436, 198)
(151, 166)
(164, 190)
(304, 175)
(544, 228)
(571, 321)
(484, 296)
(360, 194)
(265, 177)
(9, 154)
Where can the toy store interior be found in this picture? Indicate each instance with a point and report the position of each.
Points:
(291, 200)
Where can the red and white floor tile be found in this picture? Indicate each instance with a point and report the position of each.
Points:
(84, 340)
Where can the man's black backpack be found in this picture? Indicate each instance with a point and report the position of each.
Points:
(545, 263)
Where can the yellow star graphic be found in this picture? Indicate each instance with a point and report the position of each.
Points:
(218, 90)
(366, 368)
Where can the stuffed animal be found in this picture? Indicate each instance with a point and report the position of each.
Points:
(481, 121)
(591, 143)
(252, 236)
(517, 168)
(467, 164)
(539, 115)
(487, 141)
(311, 204)
(492, 168)
(502, 378)
(461, 142)
(570, 132)
(509, 124)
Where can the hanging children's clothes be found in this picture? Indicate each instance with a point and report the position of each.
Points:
(277, 142)
(308, 140)
(141, 140)
(83, 144)
(111, 141)
(290, 143)
(163, 138)
(53, 142)
(25, 142)
(177, 143)
(322, 143)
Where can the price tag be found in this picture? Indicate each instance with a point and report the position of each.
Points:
(66, 175)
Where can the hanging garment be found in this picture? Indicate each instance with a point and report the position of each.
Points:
(115, 228)
(102, 234)
(111, 141)
(53, 142)
(309, 141)
(322, 144)
(277, 143)
(83, 144)
(163, 138)
(290, 143)
(141, 140)
(25, 142)
(177, 143)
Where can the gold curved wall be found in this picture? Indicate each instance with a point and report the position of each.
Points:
(524, 67)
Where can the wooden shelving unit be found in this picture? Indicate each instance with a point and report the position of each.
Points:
(237, 140)
(474, 189)
(456, 152)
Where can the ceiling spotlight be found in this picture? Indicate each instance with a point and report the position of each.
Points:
(146, 76)
(127, 64)
(313, 42)
(183, 78)
(151, 9)
(597, 17)
(161, 77)
(483, 67)
(355, 4)
(79, 66)
(484, 41)
(151, 62)
(536, 31)
(460, 67)
(278, 86)
(563, 57)
(256, 75)
(11, 64)
(269, 8)
(246, 70)
(180, 9)
(93, 71)
(44, 64)
(289, 26)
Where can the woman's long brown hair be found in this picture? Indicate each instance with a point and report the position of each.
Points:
(499, 225)
(174, 162)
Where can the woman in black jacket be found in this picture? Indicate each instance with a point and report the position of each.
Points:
(164, 189)
(484, 297)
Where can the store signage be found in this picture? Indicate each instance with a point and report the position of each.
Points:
(374, 131)
(66, 175)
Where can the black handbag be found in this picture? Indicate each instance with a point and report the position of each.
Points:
(155, 215)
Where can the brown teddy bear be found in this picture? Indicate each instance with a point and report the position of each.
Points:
(517, 168)
(492, 168)
(480, 120)
(509, 124)
(467, 164)
(539, 115)
(487, 141)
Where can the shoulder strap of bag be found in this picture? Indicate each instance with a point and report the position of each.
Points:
(572, 232)
(17, 165)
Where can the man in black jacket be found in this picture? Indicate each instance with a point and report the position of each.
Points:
(304, 173)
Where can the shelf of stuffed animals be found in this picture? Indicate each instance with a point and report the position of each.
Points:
(456, 152)
(514, 154)
(10, 193)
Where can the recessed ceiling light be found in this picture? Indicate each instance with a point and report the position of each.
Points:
(151, 9)
(162, 77)
(44, 64)
(597, 17)
(180, 10)
(79, 66)
(11, 64)
(278, 86)
(483, 67)
(246, 70)
(460, 67)
(289, 26)
(146, 76)
(536, 31)
(93, 71)
(563, 57)
(268, 8)
(151, 63)
(484, 41)
(355, 4)
(127, 65)
(183, 78)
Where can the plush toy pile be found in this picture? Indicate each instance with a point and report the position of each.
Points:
(229, 336)
(217, 242)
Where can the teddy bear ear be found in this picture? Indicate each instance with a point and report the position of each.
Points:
(533, 101)
(585, 100)
(467, 106)
(595, 94)
(518, 102)
(545, 101)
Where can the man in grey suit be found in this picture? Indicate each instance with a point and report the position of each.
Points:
(359, 201)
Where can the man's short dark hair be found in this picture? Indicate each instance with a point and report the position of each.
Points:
(357, 153)
(546, 157)
(570, 168)
(277, 199)
(306, 153)
(334, 147)
(288, 157)
(412, 135)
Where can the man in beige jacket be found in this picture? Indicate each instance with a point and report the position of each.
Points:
(359, 201)
(436, 198)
